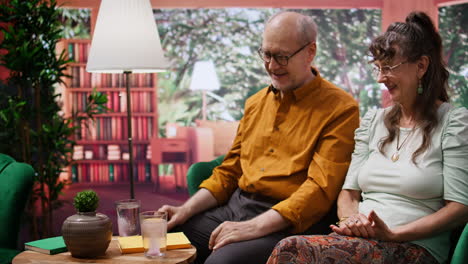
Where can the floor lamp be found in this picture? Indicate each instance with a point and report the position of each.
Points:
(204, 78)
(126, 40)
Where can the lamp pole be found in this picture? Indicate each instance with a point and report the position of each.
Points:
(130, 140)
(204, 104)
(139, 52)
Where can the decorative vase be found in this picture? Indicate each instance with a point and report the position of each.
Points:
(87, 234)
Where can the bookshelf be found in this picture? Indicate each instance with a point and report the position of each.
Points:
(101, 153)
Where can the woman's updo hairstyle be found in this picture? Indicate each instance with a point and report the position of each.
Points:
(414, 38)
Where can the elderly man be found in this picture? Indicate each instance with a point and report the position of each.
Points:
(288, 160)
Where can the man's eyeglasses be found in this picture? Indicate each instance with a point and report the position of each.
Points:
(385, 70)
(280, 59)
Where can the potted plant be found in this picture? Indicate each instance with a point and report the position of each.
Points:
(33, 127)
(87, 234)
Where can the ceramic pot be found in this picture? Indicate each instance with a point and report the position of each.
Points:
(87, 235)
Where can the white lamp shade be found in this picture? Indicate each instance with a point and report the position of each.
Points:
(204, 77)
(126, 39)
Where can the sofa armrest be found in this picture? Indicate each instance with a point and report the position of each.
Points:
(460, 255)
(200, 171)
(16, 181)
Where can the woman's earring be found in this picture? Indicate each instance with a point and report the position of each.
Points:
(420, 88)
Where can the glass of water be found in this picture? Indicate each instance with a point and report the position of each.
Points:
(154, 233)
(127, 217)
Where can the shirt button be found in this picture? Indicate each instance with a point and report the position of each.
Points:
(262, 169)
(271, 150)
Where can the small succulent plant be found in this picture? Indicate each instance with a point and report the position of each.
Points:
(86, 201)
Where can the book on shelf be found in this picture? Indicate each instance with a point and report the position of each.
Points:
(51, 246)
(113, 152)
(134, 244)
(78, 152)
(101, 152)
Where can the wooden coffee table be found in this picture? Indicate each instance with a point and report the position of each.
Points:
(113, 255)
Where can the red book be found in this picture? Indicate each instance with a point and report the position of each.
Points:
(148, 103)
(103, 80)
(98, 80)
(82, 52)
(93, 80)
(77, 52)
(123, 101)
(80, 172)
(87, 80)
(116, 173)
(140, 127)
(150, 126)
(87, 47)
(81, 82)
(112, 130)
(141, 172)
(142, 101)
(116, 101)
(145, 128)
(141, 80)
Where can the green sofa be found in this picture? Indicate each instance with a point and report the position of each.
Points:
(16, 181)
(460, 254)
(202, 170)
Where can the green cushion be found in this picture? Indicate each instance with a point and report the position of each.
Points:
(200, 171)
(5, 160)
(7, 255)
(16, 181)
(460, 255)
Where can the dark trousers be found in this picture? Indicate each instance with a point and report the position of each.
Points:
(240, 207)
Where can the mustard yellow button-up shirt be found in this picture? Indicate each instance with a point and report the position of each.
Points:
(294, 148)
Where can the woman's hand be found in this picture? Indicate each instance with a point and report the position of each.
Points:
(367, 227)
(354, 225)
(380, 229)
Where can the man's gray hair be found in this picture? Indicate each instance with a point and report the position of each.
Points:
(306, 27)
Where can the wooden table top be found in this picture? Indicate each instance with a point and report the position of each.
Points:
(113, 255)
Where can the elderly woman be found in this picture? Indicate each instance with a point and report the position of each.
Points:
(407, 185)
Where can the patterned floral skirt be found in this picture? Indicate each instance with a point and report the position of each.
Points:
(335, 248)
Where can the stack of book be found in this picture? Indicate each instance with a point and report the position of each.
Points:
(113, 152)
(148, 152)
(78, 152)
(134, 244)
(88, 154)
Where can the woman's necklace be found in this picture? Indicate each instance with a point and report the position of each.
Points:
(396, 155)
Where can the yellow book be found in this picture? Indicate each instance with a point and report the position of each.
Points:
(134, 244)
(131, 244)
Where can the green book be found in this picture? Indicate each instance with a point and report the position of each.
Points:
(51, 246)
(74, 173)
(111, 173)
(71, 50)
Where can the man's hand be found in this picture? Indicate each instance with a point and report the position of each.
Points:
(230, 232)
(176, 215)
(199, 202)
(262, 225)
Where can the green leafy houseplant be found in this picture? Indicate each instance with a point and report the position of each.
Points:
(86, 201)
(87, 227)
(31, 119)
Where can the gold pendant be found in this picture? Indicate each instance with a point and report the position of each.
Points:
(395, 156)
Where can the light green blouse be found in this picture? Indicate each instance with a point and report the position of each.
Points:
(401, 192)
